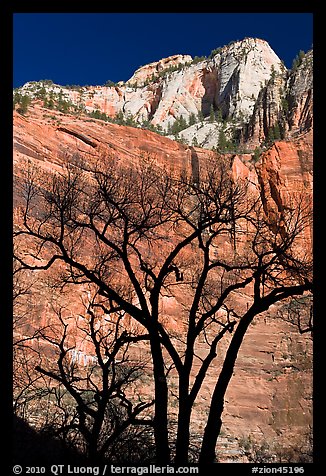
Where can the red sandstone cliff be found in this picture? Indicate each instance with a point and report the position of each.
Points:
(265, 397)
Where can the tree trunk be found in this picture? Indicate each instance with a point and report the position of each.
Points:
(214, 421)
(183, 435)
(93, 451)
(161, 404)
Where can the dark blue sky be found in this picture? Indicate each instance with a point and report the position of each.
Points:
(90, 48)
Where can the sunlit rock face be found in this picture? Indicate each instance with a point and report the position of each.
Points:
(243, 68)
(270, 393)
(242, 89)
(177, 86)
(286, 100)
(300, 86)
(248, 90)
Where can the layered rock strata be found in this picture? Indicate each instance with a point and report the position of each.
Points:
(270, 393)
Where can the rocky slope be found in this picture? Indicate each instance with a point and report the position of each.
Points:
(270, 394)
(285, 103)
(242, 89)
(300, 95)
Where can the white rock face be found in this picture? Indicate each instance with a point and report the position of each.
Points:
(243, 69)
(231, 81)
(267, 111)
(175, 87)
(253, 97)
(206, 134)
(301, 94)
(202, 134)
(302, 79)
(182, 93)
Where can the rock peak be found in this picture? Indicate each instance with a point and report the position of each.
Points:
(247, 44)
(241, 89)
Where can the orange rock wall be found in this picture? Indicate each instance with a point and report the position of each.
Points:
(270, 391)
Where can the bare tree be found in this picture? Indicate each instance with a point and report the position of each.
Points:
(139, 235)
(25, 357)
(299, 313)
(86, 374)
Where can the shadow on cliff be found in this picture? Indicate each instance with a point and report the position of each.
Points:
(227, 97)
(209, 81)
(34, 448)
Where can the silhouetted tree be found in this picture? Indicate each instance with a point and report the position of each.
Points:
(103, 410)
(78, 379)
(141, 234)
(299, 313)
